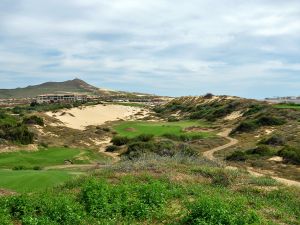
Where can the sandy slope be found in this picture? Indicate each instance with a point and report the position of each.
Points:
(79, 118)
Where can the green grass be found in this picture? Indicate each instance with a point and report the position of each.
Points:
(287, 106)
(31, 180)
(47, 157)
(134, 128)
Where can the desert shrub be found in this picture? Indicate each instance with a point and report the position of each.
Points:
(106, 129)
(261, 150)
(237, 156)
(172, 119)
(183, 137)
(120, 140)
(270, 121)
(290, 154)
(144, 137)
(186, 150)
(255, 108)
(162, 148)
(33, 120)
(127, 200)
(274, 140)
(263, 181)
(19, 134)
(219, 177)
(43, 144)
(212, 210)
(208, 96)
(111, 148)
(246, 126)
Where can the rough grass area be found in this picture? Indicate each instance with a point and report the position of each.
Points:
(31, 180)
(47, 157)
(135, 128)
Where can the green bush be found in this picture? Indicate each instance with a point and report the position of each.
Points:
(4, 216)
(172, 119)
(274, 140)
(33, 120)
(125, 200)
(246, 126)
(255, 108)
(120, 140)
(212, 210)
(290, 154)
(183, 137)
(261, 150)
(111, 148)
(270, 121)
(237, 156)
(45, 209)
(144, 137)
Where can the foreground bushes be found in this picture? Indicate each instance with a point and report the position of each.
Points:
(212, 210)
(126, 200)
(43, 209)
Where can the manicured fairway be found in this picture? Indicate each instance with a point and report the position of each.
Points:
(287, 106)
(31, 180)
(135, 128)
(47, 157)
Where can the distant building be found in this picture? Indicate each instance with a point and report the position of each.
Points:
(287, 99)
(52, 98)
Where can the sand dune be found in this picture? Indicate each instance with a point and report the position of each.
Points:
(79, 118)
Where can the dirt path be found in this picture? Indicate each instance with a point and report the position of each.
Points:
(225, 134)
(210, 155)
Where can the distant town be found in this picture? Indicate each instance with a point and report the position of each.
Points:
(288, 99)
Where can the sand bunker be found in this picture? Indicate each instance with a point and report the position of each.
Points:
(79, 118)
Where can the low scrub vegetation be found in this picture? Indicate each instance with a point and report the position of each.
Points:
(33, 120)
(290, 154)
(11, 129)
(162, 148)
(107, 198)
(253, 124)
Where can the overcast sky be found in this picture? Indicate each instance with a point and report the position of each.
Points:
(169, 47)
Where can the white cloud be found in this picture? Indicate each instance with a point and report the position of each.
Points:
(198, 43)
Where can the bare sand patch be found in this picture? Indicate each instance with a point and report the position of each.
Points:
(276, 159)
(234, 115)
(79, 118)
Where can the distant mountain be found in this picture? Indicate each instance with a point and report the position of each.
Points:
(74, 86)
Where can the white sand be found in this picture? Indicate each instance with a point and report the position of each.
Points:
(234, 115)
(79, 118)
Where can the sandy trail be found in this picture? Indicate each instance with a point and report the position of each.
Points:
(79, 118)
(210, 155)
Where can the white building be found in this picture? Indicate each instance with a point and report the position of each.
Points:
(52, 98)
